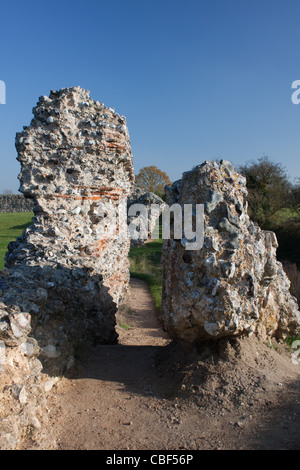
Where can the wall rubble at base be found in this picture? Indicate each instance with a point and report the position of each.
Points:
(68, 272)
(234, 284)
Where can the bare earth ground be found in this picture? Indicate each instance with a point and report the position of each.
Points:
(144, 393)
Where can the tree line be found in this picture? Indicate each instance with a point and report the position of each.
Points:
(274, 203)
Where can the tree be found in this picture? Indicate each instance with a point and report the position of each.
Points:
(269, 189)
(151, 179)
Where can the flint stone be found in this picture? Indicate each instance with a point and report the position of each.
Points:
(214, 199)
(50, 384)
(2, 353)
(50, 351)
(20, 324)
(8, 442)
(23, 396)
(30, 347)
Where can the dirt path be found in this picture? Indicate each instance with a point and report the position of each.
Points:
(122, 400)
(115, 401)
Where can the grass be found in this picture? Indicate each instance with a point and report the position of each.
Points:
(125, 326)
(11, 226)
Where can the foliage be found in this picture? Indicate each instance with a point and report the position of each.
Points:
(269, 189)
(125, 326)
(150, 178)
(274, 203)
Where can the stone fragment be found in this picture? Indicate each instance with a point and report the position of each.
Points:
(30, 347)
(20, 324)
(8, 442)
(50, 384)
(50, 351)
(214, 199)
(15, 390)
(35, 423)
(23, 396)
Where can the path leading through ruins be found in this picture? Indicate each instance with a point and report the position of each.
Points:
(121, 399)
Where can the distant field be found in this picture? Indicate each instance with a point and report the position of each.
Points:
(11, 227)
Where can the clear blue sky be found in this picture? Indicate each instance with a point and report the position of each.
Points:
(196, 79)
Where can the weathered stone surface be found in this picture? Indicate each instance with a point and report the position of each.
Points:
(68, 267)
(234, 284)
(77, 165)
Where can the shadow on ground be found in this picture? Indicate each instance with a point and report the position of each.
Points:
(134, 369)
(139, 374)
(276, 426)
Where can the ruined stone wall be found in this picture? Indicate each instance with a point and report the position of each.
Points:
(15, 203)
(234, 284)
(68, 272)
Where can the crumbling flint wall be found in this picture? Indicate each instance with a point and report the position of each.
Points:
(67, 273)
(234, 285)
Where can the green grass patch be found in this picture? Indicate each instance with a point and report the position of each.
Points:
(145, 264)
(12, 225)
(283, 215)
(125, 326)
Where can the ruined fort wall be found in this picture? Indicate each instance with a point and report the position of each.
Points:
(68, 272)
